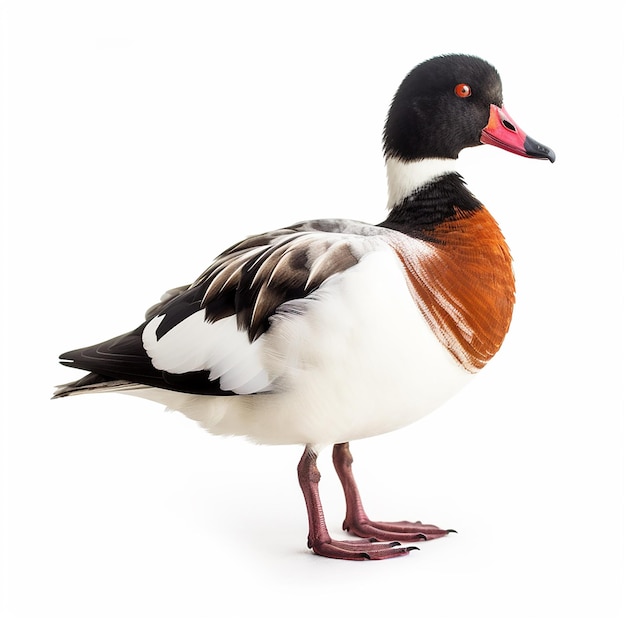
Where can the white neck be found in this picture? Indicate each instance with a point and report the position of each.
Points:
(404, 177)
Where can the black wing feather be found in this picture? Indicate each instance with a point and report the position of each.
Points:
(124, 358)
(249, 280)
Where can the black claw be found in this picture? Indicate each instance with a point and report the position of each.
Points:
(365, 555)
(422, 536)
(393, 544)
(373, 540)
(451, 530)
(409, 548)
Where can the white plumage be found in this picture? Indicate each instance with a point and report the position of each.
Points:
(218, 347)
(339, 368)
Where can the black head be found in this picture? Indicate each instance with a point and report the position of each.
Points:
(441, 107)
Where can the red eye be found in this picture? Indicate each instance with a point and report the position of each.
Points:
(463, 91)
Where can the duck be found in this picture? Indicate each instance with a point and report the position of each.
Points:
(334, 330)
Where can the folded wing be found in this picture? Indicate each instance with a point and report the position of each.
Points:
(208, 337)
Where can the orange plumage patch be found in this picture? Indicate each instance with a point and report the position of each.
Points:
(465, 288)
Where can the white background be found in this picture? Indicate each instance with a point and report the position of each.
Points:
(140, 139)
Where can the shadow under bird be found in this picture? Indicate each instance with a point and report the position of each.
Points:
(332, 330)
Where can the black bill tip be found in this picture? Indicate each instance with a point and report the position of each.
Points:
(537, 150)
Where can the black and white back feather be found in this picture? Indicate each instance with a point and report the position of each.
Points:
(237, 295)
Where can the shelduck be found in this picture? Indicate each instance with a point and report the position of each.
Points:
(332, 330)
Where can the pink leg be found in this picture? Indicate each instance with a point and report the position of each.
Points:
(358, 523)
(320, 540)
